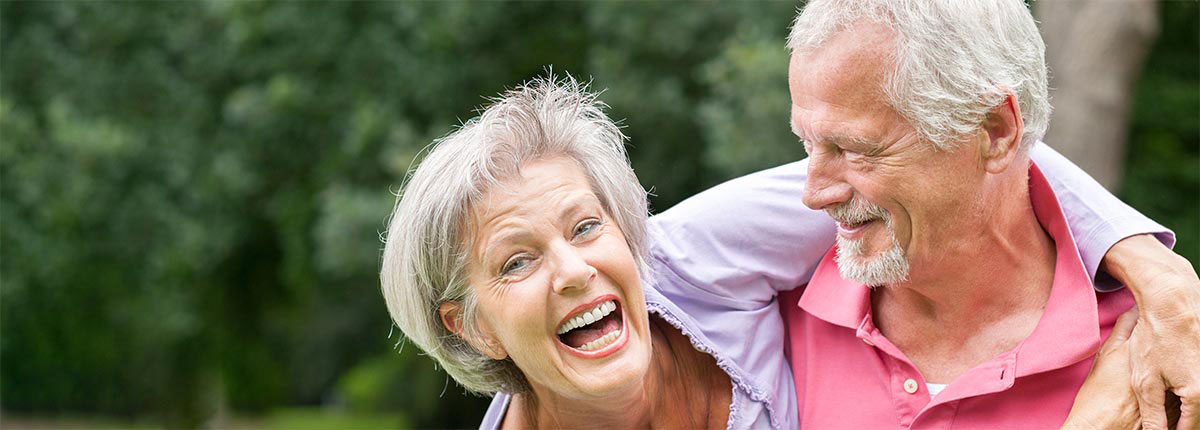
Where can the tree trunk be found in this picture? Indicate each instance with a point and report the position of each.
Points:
(1095, 51)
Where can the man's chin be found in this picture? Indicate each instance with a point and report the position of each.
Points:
(887, 268)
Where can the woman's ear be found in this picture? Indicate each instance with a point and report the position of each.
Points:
(483, 340)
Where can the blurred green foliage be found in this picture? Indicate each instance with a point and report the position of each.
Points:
(1162, 170)
(192, 193)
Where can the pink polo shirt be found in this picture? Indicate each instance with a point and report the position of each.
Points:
(849, 376)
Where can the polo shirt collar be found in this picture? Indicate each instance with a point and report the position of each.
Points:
(1068, 331)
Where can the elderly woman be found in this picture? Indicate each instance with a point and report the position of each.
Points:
(516, 258)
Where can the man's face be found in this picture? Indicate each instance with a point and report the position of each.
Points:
(893, 195)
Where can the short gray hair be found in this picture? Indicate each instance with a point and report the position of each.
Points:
(427, 244)
(951, 57)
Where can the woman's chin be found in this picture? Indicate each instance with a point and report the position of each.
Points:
(610, 372)
(611, 380)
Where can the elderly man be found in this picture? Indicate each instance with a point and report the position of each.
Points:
(954, 296)
(957, 268)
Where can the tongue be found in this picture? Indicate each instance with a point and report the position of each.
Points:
(580, 336)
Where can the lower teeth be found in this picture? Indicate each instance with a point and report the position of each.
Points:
(602, 341)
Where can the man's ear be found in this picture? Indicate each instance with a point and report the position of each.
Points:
(483, 339)
(1003, 128)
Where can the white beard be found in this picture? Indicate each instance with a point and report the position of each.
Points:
(888, 268)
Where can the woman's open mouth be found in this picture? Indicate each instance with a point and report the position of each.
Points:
(595, 330)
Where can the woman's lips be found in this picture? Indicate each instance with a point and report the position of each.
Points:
(587, 307)
(621, 339)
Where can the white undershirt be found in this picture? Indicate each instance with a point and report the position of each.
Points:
(934, 389)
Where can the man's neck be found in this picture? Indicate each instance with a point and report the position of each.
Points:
(982, 290)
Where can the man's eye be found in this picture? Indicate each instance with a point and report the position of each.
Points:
(586, 227)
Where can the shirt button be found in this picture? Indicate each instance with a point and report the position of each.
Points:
(867, 341)
(910, 386)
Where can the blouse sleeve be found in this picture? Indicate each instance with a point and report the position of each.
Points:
(1097, 218)
(741, 242)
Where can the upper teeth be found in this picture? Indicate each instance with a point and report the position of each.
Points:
(588, 317)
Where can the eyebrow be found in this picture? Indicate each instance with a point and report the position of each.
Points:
(840, 140)
(566, 209)
(836, 139)
(494, 242)
(575, 204)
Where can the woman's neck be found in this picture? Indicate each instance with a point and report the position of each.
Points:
(678, 391)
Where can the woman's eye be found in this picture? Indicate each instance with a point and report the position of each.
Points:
(586, 227)
(515, 264)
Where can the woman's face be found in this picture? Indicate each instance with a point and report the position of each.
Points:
(558, 288)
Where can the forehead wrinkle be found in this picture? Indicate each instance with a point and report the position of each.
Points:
(488, 232)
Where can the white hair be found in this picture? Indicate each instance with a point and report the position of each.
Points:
(426, 250)
(953, 59)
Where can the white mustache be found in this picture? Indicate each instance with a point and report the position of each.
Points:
(856, 211)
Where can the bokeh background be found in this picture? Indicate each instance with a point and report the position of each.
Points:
(192, 193)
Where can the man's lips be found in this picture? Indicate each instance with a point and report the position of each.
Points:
(852, 231)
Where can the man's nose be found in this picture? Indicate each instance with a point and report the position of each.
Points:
(826, 185)
(572, 270)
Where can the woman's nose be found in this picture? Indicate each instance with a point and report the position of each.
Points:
(572, 270)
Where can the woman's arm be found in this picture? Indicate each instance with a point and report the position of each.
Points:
(1166, 341)
(737, 245)
(749, 238)
(741, 242)
(1097, 218)
(1117, 247)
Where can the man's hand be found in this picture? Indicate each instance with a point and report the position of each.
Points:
(1165, 344)
(1106, 401)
